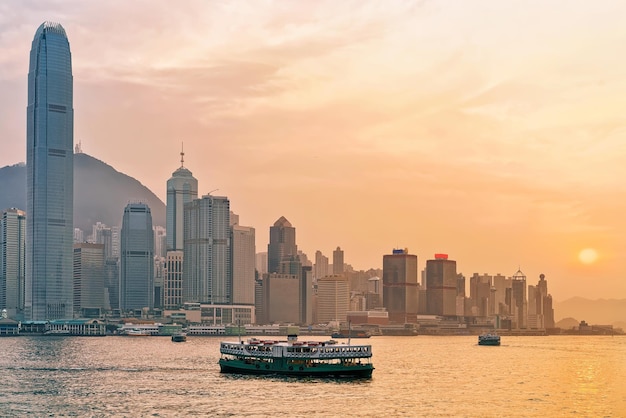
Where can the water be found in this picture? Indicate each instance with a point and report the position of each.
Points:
(414, 376)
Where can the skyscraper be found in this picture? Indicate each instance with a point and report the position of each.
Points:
(182, 188)
(137, 258)
(207, 276)
(12, 261)
(400, 287)
(282, 244)
(89, 276)
(338, 261)
(441, 286)
(50, 176)
(243, 260)
(321, 265)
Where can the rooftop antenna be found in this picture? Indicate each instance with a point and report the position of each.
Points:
(214, 190)
(182, 155)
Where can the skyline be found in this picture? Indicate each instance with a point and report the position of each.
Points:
(491, 132)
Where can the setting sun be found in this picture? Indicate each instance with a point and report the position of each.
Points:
(588, 256)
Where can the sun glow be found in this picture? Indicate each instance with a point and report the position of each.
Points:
(588, 256)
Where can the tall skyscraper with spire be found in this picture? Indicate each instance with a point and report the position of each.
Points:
(50, 176)
(182, 188)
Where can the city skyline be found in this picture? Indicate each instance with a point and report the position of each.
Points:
(491, 132)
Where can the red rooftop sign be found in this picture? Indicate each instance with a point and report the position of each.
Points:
(441, 256)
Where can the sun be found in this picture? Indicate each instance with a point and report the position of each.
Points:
(588, 256)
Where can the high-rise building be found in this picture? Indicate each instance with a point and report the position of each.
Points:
(12, 261)
(400, 286)
(333, 299)
(441, 286)
(261, 263)
(243, 261)
(173, 286)
(112, 283)
(480, 294)
(159, 241)
(518, 303)
(282, 244)
(207, 276)
(89, 277)
(338, 261)
(50, 176)
(182, 188)
(321, 265)
(137, 258)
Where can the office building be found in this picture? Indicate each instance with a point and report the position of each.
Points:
(182, 188)
(207, 274)
(338, 261)
(518, 308)
(173, 286)
(321, 265)
(89, 277)
(50, 176)
(441, 286)
(333, 299)
(282, 244)
(243, 264)
(400, 286)
(137, 258)
(12, 262)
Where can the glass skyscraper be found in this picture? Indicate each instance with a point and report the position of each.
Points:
(50, 176)
(137, 258)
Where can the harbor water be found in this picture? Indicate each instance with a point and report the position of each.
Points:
(414, 376)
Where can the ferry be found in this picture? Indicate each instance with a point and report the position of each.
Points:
(489, 339)
(138, 333)
(179, 337)
(296, 358)
(351, 334)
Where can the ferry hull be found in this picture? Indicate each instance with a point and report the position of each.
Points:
(319, 370)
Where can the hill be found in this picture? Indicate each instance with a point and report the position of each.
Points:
(100, 193)
(594, 312)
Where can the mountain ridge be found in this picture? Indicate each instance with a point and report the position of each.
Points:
(100, 193)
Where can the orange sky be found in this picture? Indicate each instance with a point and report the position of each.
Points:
(493, 131)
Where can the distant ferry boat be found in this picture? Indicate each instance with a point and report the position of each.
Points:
(138, 333)
(489, 339)
(179, 338)
(351, 334)
(296, 358)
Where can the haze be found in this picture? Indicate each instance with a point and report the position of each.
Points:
(491, 131)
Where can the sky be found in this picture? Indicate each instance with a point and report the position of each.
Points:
(493, 131)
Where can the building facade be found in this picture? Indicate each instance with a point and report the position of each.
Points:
(338, 261)
(282, 244)
(207, 274)
(50, 176)
(400, 286)
(12, 261)
(243, 264)
(173, 286)
(441, 286)
(137, 258)
(89, 277)
(333, 299)
(182, 188)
